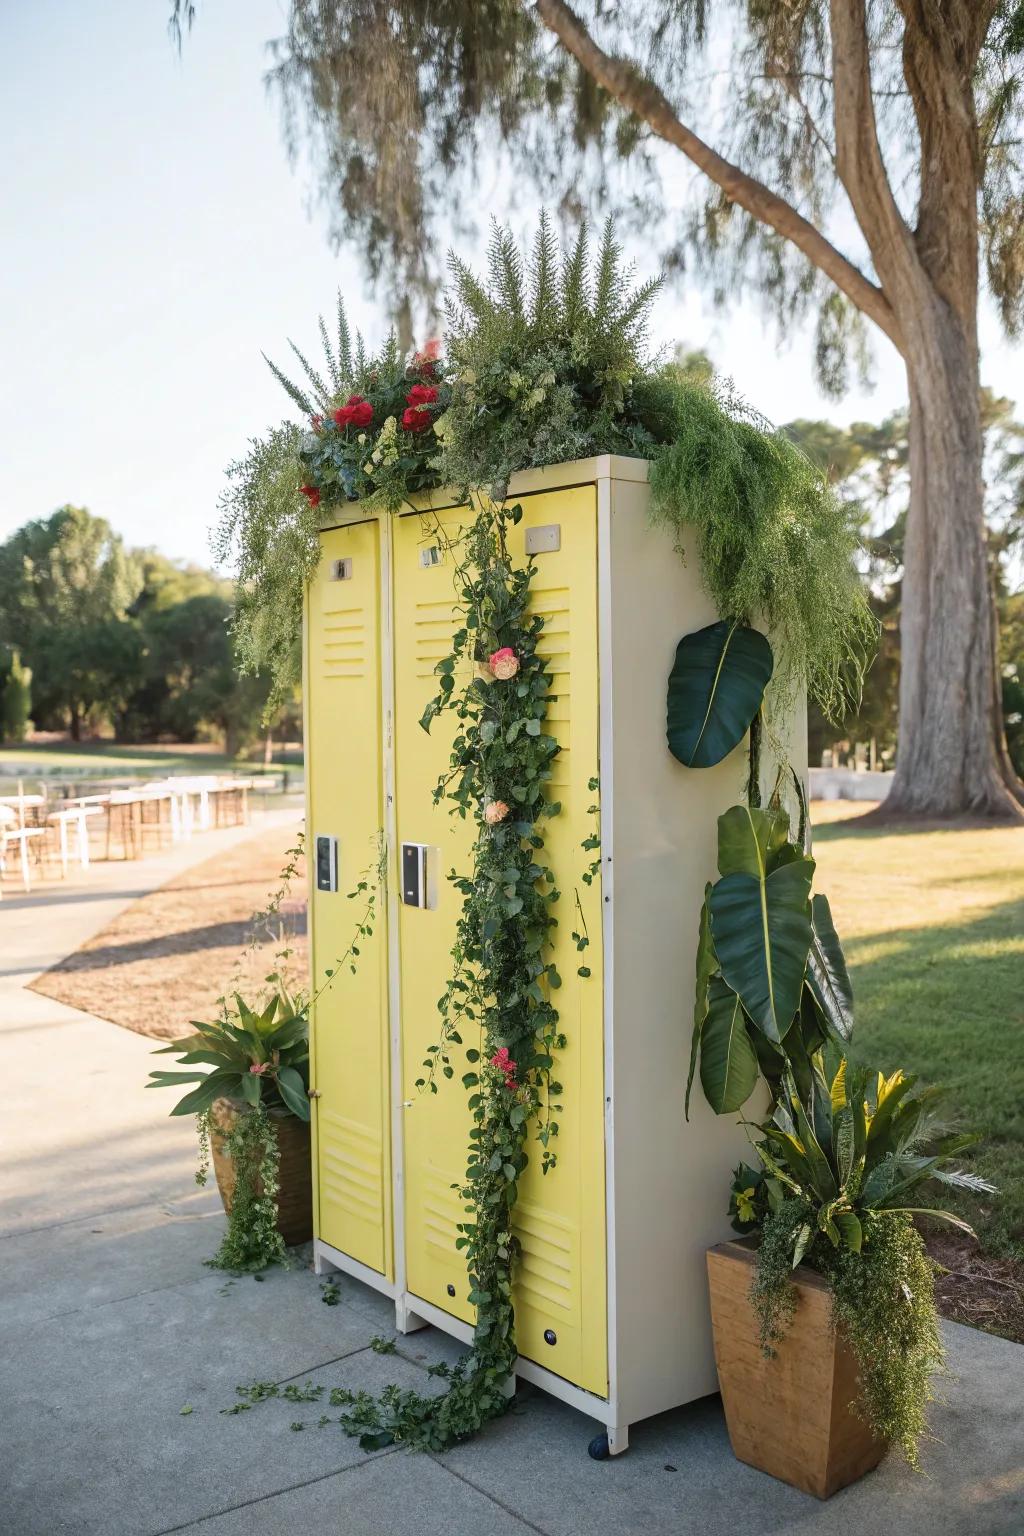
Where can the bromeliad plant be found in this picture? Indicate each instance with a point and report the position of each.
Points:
(259, 1062)
(844, 1160)
(262, 1059)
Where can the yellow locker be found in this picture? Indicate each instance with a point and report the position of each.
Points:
(610, 1290)
(560, 1217)
(350, 1026)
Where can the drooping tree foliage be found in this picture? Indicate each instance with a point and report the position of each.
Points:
(856, 158)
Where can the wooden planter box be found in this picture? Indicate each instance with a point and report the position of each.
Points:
(295, 1195)
(789, 1416)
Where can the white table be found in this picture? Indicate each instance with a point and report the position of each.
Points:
(75, 816)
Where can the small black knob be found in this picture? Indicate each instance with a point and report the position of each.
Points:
(451, 1290)
(550, 1336)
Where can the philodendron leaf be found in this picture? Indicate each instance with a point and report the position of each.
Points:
(728, 1063)
(761, 927)
(827, 975)
(715, 689)
(707, 966)
(750, 842)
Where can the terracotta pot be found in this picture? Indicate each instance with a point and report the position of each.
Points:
(791, 1415)
(295, 1198)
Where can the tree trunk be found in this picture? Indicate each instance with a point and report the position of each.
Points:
(947, 764)
(76, 723)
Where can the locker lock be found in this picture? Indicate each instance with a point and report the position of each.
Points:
(326, 863)
(415, 890)
(550, 1336)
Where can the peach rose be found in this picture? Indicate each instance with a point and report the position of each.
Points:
(504, 663)
(495, 811)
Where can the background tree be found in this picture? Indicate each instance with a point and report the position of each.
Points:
(62, 580)
(15, 699)
(869, 465)
(121, 637)
(892, 127)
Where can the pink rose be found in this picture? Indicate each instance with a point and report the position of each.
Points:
(495, 811)
(504, 663)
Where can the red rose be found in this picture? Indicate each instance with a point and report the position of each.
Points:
(416, 419)
(311, 492)
(421, 394)
(356, 412)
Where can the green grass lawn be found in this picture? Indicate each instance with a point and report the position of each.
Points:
(932, 923)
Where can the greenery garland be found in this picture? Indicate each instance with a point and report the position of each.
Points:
(500, 988)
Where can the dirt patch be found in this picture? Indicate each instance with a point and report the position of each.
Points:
(169, 957)
(976, 1289)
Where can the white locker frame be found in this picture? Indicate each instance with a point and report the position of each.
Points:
(666, 1192)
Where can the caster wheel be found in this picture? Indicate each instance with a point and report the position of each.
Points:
(598, 1448)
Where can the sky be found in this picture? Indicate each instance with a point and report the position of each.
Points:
(154, 240)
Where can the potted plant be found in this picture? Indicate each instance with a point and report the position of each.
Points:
(252, 1112)
(825, 1326)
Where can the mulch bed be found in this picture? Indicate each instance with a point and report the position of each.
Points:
(976, 1289)
(167, 959)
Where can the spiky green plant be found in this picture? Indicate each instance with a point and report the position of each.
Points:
(845, 1158)
(545, 356)
(344, 361)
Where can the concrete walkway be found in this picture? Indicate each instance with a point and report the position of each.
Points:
(110, 1325)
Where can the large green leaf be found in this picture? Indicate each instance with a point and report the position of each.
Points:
(216, 1085)
(761, 927)
(827, 975)
(751, 842)
(293, 1092)
(728, 1064)
(707, 965)
(715, 689)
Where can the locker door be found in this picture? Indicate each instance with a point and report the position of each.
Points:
(560, 1288)
(350, 1063)
(560, 1217)
(435, 1126)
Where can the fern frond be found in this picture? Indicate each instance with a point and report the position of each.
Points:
(332, 367)
(470, 293)
(609, 282)
(961, 1180)
(575, 298)
(344, 353)
(321, 391)
(544, 276)
(633, 315)
(506, 268)
(302, 400)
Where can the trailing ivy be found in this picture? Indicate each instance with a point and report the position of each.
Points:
(251, 1241)
(495, 683)
(883, 1296)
